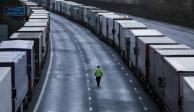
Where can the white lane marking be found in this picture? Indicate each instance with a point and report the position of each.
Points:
(145, 108)
(88, 81)
(126, 74)
(122, 68)
(89, 89)
(86, 68)
(90, 98)
(118, 63)
(140, 98)
(45, 81)
(91, 109)
(135, 89)
(131, 81)
(86, 74)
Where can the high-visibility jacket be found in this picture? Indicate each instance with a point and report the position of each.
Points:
(98, 72)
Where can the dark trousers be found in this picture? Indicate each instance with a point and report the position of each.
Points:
(98, 81)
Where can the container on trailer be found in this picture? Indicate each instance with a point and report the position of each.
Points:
(5, 90)
(153, 78)
(37, 8)
(39, 14)
(63, 7)
(74, 11)
(111, 25)
(42, 17)
(47, 21)
(39, 20)
(98, 17)
(159, 77)
(86, 13)
(28, 6)
(40, 11)
(174, 70)
(133, 34)
(39, 17)
(105, 27)
(43, 12)
(81, 12)
(37, 38)
(19, 78)
(188, 94)
(143, 52)
(121, 36)
(38, 24)
(35, 24)
(92, 19)
(67, 6)
(58, 5)
(39, 30)
(52, 5)
(28, 47)
(43, 3)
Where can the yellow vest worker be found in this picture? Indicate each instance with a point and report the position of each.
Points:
(98, 74)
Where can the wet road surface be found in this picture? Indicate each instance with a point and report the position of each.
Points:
(71, 85)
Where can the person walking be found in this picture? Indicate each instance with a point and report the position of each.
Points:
(98, 74)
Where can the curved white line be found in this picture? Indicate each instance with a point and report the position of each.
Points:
(46, 79)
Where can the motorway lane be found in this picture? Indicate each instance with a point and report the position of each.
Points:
(66, 90)
(71, 86)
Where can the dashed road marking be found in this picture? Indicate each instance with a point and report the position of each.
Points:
(86, 74)
(140, 98)
(122, 68)
(126, 74)
(145, 108)
(89, 89)
(135, 89)
(90, 98)
(91, 109)
(131, 81)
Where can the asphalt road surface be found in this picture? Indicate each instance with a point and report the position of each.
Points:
(70, 82)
